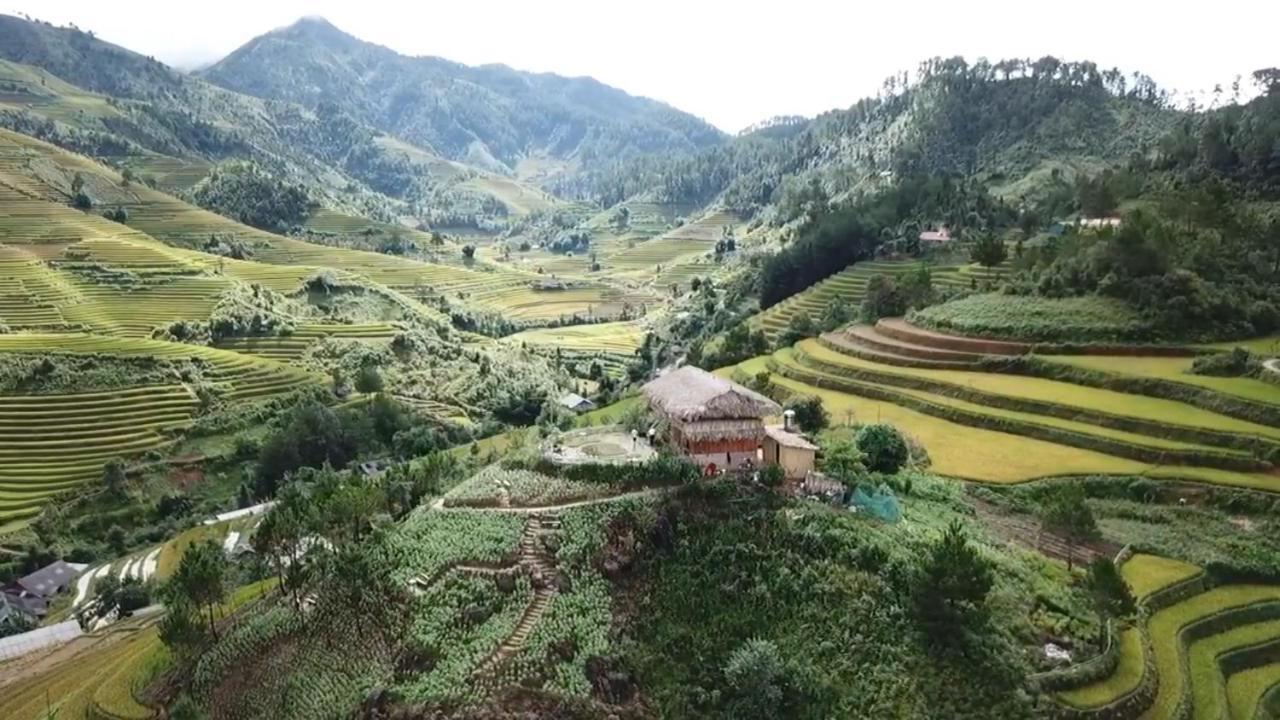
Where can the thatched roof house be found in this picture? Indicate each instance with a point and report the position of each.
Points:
(713, 420)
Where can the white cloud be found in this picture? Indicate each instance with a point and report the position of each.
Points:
(732, 63)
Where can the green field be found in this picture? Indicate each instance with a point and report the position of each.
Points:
(1094, 432)
(1082, 319)
(1187, 640)
(1126, 678)
(52, 443)
(849, 284)
(1177, 370)
(1146, 574)
(1164, 628)
(1245, 690)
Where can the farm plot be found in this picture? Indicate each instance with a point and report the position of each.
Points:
(53, 443)
(1147, 574)
(1246, 691)
(679, 246)
(1082, 319)
(849, 285)
(431, 541)
(1228, 606)
(621, 338)
(1151, 418)
(1189, 638)
(495, 486)
(96, 675)
(1214, 458)
(291, 347)
(964, 442)
(1125, 680)
(1175, 370)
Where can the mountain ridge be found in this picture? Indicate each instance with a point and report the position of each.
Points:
(451, 107)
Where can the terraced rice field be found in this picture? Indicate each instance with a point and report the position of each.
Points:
(661, 258)
(622, 338)
(849, 284)
(1147, 574)
(1249, 689)
(1170, 653)
(292, 347)
(52, 443)
(1189, 638)
(94, 676)
(1176, 370)
(1143, 446)
(1126, 678)
(894, 369)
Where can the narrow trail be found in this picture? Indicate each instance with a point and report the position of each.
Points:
(541, 567)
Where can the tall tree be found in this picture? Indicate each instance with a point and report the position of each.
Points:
(200, 578)
(1067, 515)
(953, 584)
(988, 250)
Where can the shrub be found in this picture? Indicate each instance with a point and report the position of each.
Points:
(884, 448)
(810, 414)
(883, 299)
(1237, 363)
(761, 683)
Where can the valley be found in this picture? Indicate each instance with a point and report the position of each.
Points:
(337, 382)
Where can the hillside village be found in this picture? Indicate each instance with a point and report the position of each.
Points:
(422, 390)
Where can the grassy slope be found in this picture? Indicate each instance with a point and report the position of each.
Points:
(1146, 574)
(1138, 406)
(1128, 675)
(1165, 625)
(989, 456)
(1245, 689)
(1175, 369)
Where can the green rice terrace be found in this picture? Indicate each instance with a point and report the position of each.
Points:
(57, 442)
(1197, 650)
(958, 394)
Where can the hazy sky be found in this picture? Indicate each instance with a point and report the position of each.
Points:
(732, 63)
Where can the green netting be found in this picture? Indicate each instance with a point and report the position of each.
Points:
(881, 503)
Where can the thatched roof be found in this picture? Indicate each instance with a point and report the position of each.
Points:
(689, 394)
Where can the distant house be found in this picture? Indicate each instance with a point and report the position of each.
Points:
(789, 451)
(1099, 223)
(715, 422)
(941, 235)
(51, 579)
(576, 403)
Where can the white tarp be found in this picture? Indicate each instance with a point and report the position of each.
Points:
(246, 512)
(39, 639)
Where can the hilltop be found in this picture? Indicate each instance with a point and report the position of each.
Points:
(491, 116)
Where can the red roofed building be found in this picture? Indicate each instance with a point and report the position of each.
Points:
(941, 235)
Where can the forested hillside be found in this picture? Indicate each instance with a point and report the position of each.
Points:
(491, 116)
(999, 120)
(68, 87)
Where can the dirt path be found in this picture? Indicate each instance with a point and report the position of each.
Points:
(1024, 530)
(541, 566)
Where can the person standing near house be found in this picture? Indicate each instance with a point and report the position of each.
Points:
(653, 433)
